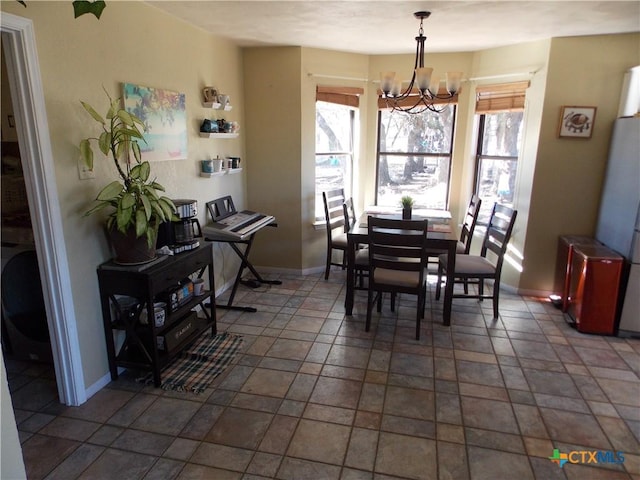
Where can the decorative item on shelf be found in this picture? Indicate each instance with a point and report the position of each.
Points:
(207, 166)
(138, 209)
(217, 164)
(213, 166)
(234, 162)
(407, 204)
(427, 94)
(198, 286)
(224, 126)
(159, 314)
(210, 94)
(209, 126)
(224, 100)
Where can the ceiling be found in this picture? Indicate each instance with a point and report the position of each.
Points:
(389, 27)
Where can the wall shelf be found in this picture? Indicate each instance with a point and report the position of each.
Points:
(218, 135)
(212, 174)
(225, 171)
(217, 106)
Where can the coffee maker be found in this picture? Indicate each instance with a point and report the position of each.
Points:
(182, 234)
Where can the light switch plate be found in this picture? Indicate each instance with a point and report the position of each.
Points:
(84, 173)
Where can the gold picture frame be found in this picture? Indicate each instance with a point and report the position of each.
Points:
(576, 122)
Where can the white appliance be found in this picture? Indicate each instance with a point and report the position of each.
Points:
(619, 217)
(630, 317)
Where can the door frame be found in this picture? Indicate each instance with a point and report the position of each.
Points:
(27, 95)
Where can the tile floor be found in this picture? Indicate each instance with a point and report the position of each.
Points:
(313, 396)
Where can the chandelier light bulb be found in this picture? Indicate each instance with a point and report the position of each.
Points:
(423, 78)
(454, 79)
(387, 80)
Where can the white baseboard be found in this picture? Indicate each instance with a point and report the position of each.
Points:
(101, 383)
(291, 271)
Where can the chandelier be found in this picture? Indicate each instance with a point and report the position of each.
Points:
(423, 92)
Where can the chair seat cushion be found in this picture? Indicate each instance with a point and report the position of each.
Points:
(470, 265)
(396, 277)
(339, 241)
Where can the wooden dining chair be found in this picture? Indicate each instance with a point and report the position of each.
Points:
(349, 212)
(475, 269)
(362, 254)
(397, 260)
(466, 234)
(337, 227)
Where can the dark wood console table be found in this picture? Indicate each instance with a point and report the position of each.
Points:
(126, 290)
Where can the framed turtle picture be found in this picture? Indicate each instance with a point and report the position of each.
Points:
(576, 122)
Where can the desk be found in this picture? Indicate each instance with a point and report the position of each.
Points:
(147, 346)
(442, 240)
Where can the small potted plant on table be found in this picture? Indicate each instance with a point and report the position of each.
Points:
(407, 204)
(138, 209)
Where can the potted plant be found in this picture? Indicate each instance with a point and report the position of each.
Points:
(138, 209)
(407, 204)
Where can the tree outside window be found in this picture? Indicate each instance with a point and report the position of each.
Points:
(499, 140)
(334, 150)
(414, 157)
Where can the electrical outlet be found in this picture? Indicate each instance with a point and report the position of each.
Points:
(84, 173)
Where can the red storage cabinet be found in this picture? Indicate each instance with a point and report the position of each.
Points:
(593, 293)
(562, 282)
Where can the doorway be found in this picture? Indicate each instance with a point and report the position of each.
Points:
(19, 47)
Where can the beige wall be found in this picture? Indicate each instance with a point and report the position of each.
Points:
(567, 184)
(526, 61)
(75, 66)
(273, 145)
(327, 68)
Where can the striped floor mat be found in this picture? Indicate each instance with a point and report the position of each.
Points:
(195, 368)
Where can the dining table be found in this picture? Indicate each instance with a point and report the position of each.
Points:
(440, 239)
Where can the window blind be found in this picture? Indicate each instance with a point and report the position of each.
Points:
(349, 96)
(504, 97)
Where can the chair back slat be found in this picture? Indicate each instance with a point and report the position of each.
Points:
(349, 214)
(470, 220)
(333, 211)
(397, 244)
(499, 231)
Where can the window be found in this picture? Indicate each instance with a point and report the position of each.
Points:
(501, 111)
(335, 126)
(414, 157)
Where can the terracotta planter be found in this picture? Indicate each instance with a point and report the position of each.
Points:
(130, 250)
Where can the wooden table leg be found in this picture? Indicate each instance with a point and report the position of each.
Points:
(448, 289)
(351, 262)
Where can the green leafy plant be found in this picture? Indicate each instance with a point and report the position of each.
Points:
(407, 201)
(134, 197)
(82, 7)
